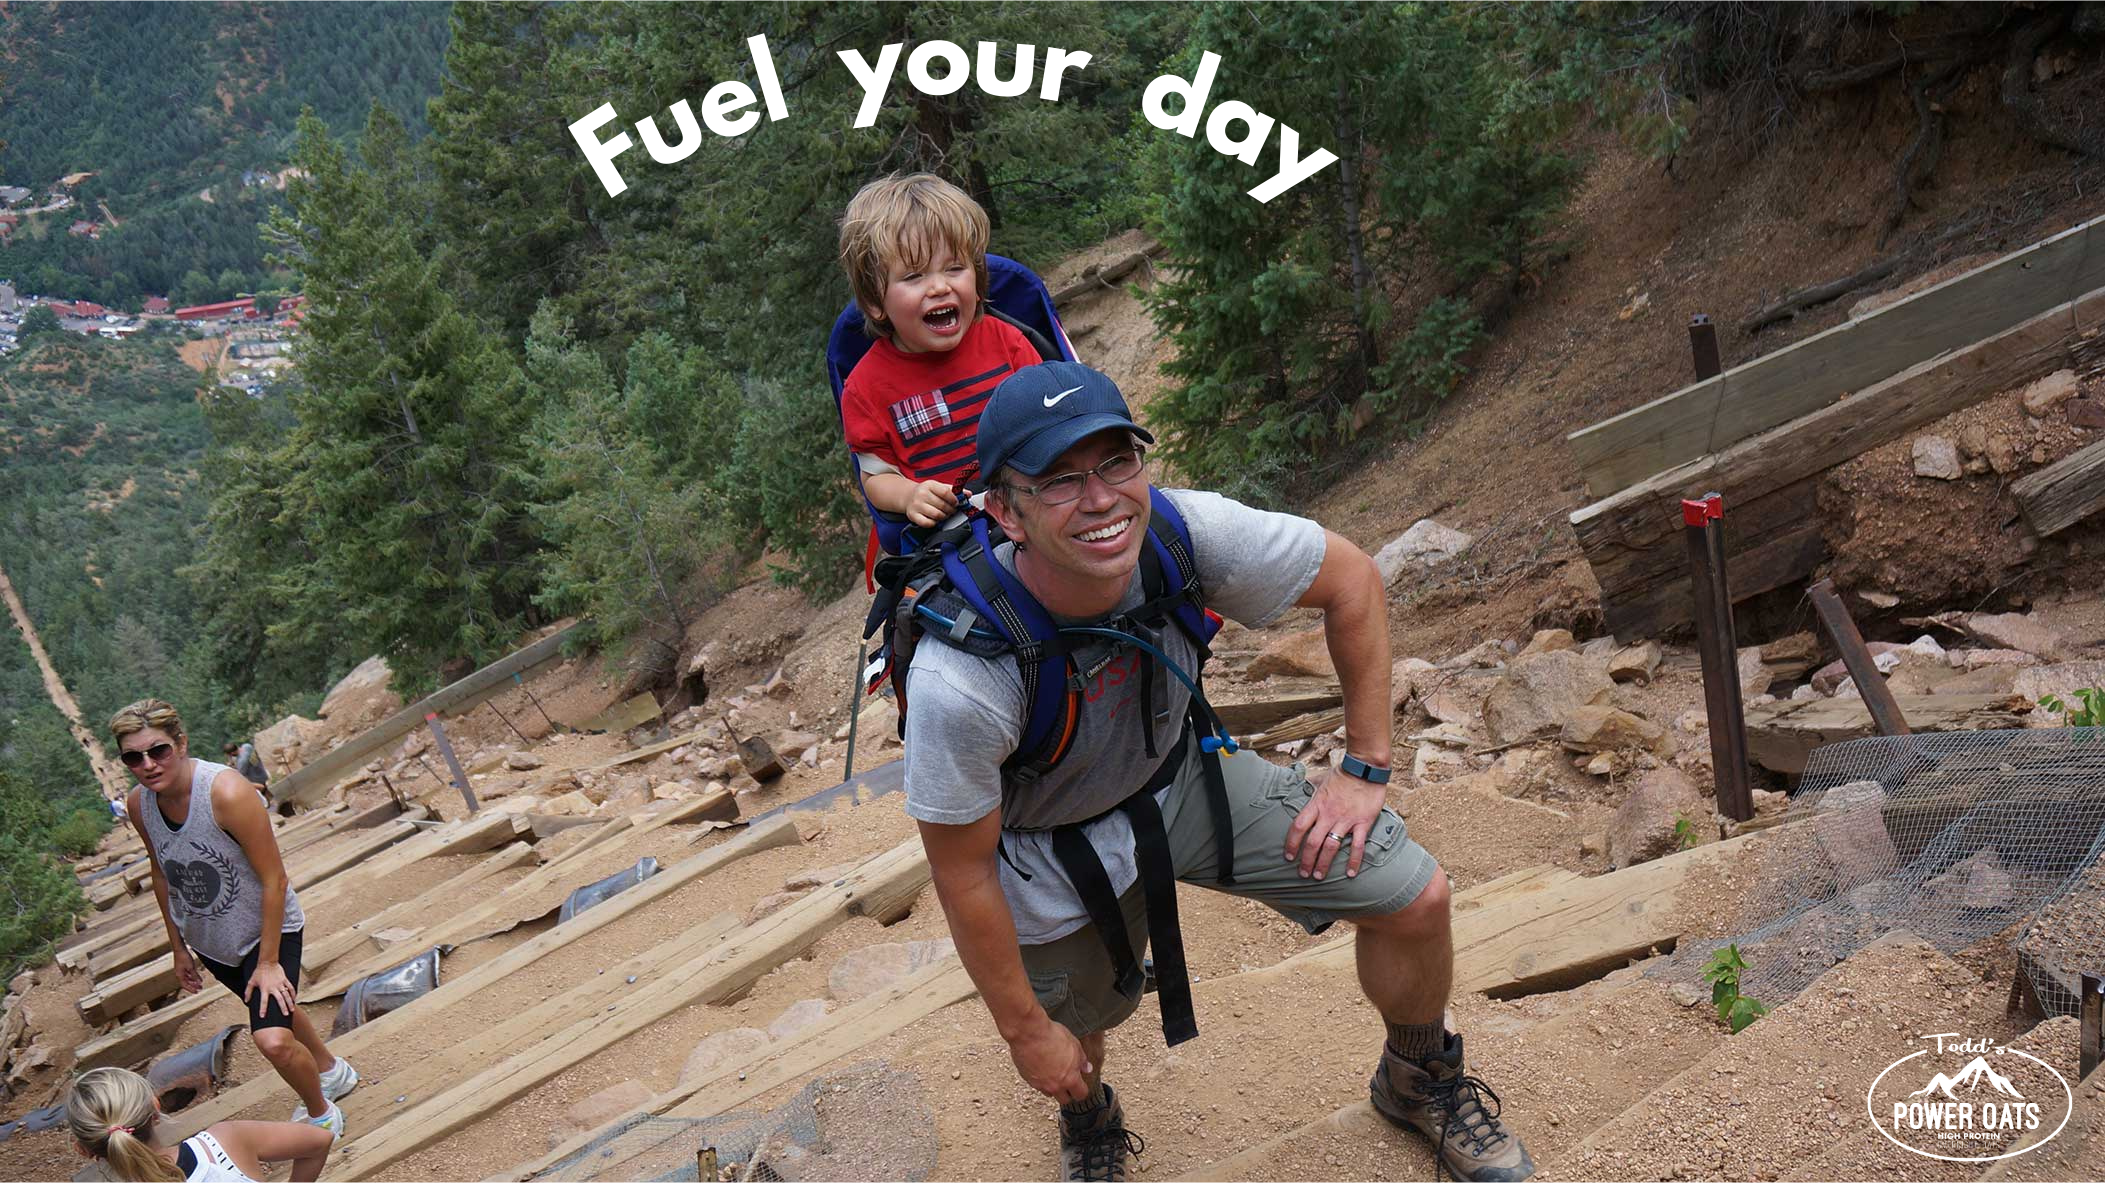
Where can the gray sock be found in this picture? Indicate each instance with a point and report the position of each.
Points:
(1417, 1042)
(1094, 1102)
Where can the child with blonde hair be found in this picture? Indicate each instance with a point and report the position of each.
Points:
(115, 1119)
(915, 251)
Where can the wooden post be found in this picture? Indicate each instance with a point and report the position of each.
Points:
(1703, 344)
(1878, 698)
(460, 775)
(1717, 641)
(2090, 1038)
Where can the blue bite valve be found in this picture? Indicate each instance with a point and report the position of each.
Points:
(1218, 743)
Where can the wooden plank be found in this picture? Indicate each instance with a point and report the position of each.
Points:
(1782, 735)
(623, 715)
(414, 912)
(761, 837)
(1670, 604)
(1306, 727)
(2064, 492)
(1240, 717)
(610, 828)
(1551, 933)
(883, 886)
(318, 776)
(842, 1033)
(486, 832)
(1800, 378)
(501, 911)
(290, 840)
(1632, 538)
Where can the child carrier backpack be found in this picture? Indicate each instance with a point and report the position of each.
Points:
(1014, 295)
(953, 590)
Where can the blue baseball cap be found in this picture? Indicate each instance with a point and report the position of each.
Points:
(1040, 411)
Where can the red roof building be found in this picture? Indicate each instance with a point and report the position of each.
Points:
(242, 309)
(83, 309)
(156, 304)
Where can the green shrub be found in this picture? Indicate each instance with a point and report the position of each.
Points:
(80, 832)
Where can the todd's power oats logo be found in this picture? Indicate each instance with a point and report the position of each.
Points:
(1969, 1100)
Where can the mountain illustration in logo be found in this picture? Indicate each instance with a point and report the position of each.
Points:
(1970, 1078)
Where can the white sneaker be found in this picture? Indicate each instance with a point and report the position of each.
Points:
(332, 1121)
(338, 1082)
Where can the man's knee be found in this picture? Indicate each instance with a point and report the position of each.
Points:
(276, 1043)
(1423, 918)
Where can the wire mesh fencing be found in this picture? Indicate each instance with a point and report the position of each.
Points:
(1953, 836)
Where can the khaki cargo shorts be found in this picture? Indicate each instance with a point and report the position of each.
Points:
(1073, 977)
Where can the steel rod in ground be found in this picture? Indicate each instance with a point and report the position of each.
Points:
(1717, 644)
(1856, 656)
(460, 775)
(1703, 347)
(492, 704)
(2090, 1013)
(552, 724)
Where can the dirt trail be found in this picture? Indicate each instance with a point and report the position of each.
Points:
(112, 777)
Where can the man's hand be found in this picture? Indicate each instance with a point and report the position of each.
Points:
(187, 978)
(930, 503)
(1050, 1059)
(270, 979)
(1343, 805)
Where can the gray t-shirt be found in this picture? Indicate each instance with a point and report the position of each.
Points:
(213, 891)
(967, 714)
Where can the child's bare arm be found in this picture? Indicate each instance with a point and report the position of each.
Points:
(925, 503)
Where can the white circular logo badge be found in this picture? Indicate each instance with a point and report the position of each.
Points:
(1969, 1100)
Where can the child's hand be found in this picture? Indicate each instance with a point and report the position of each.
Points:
(932, 501)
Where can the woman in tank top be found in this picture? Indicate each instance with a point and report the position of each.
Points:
(226, 899)
(114, 1118)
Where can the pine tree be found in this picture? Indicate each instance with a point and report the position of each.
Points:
(409, 425)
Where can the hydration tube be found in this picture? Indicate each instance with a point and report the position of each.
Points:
(1219, 741)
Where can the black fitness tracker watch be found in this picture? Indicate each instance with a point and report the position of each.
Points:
(1354, 766)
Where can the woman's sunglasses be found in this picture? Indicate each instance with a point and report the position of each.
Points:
(158, 753)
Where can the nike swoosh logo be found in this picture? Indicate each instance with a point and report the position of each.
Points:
(1054, 401)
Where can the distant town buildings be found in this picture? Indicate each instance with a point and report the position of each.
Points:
(13, 194)
(242, 309)
(156, 305)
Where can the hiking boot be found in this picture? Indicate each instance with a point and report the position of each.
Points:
(1096, 1144)
(1447, 1105)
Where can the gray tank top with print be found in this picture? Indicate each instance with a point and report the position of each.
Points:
(212, 888)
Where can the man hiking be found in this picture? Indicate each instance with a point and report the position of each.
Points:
(1054, 865)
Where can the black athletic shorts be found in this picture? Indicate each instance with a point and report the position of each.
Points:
(263, 1011)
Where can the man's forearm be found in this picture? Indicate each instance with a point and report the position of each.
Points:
(985, 934)
(1356, 631)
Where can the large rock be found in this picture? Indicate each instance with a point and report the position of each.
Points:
(791, 744)
(522, 761)
(1973, 659)
(719, 1050)
(1296, 655)
(798, 1017)
(1540, 691)
(2041, 397)
(1850, 826)
(1986, 679)
(2062, 681)
(1937, 458)
(370, 674)
(1426, 544)
(284, 744)
(869, 969)
(2015, 630)
(1408, 677)
(1645, 825)
(1885, 655)
(1634, 663)
(1603, 728)
(599, 1109)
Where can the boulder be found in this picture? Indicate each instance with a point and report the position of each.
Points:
(793, 743)
(719, 1051)
(1408, 676)
(1937, 458)
(2062, 681)
(1426, 544)
(1987, 679)
(674, 790)
(1644, 827)
(1981, 881)
(1432, 757)
(283, 744)
(1973, 659)
(1296, 655)
(2015, 630)
(1602, 728)
(2042, 396)
(574, 804)
(370, 674)
(871, 968)
(1540, 691)
(523, 761)
(1550, 640)
(1634, 663)
(877, 725)
(1850, 826)
(599, 1109)
(798, 1017)
(1884, 654)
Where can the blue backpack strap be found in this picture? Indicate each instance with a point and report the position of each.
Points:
(1000, 600)
(1170, 573)
(1016, 290)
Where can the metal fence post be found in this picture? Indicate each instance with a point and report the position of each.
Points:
(460, 775)
(1703, 345)
(1717, 641)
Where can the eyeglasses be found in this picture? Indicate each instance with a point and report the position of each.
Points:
(158, 753)
(1068, 486)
